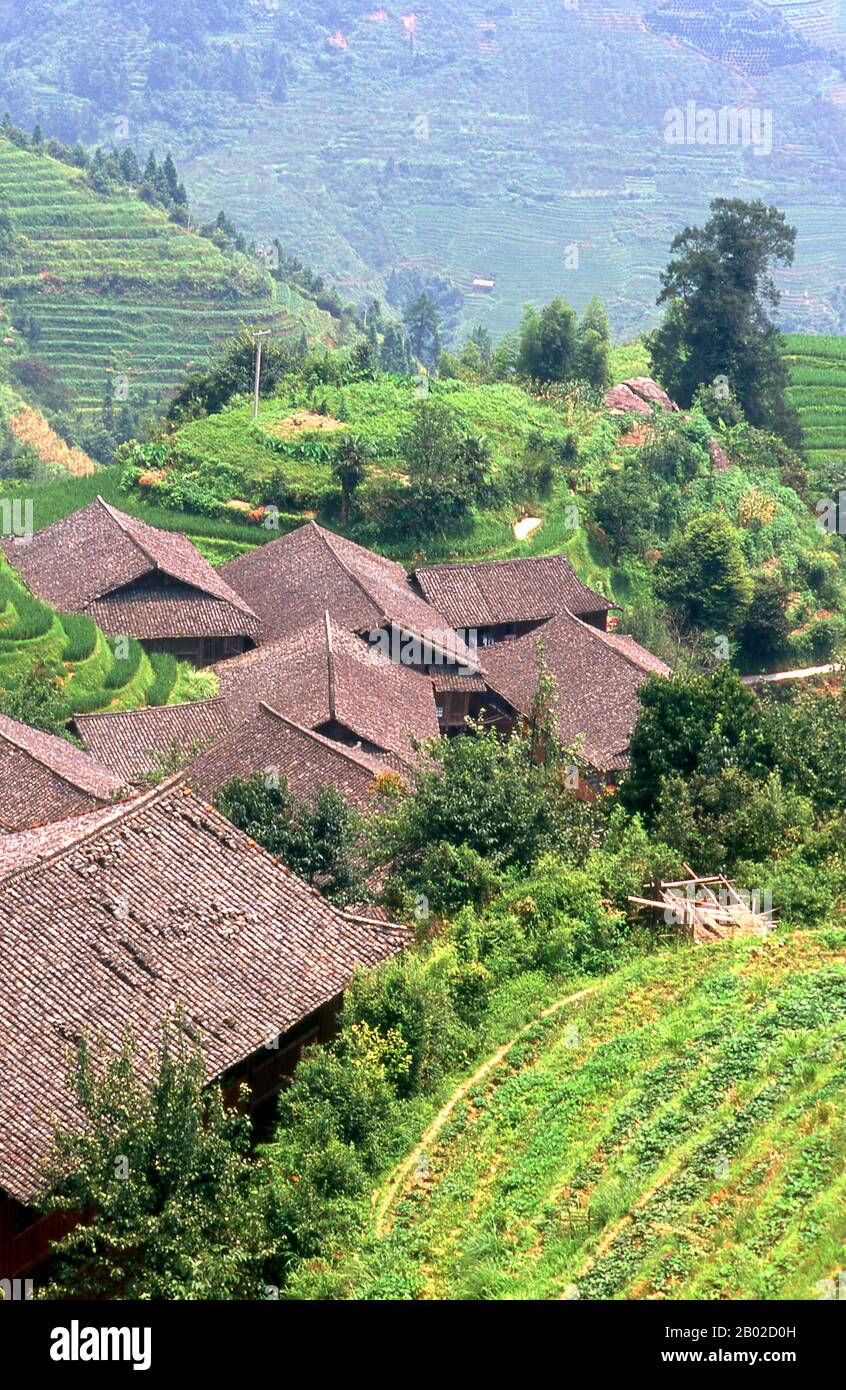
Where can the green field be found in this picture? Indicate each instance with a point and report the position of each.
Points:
(676, 1131)
(817, 369)
(119, 293)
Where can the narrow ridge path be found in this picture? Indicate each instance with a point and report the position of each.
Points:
(396, 1183)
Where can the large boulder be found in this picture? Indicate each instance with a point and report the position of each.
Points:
(638, 395)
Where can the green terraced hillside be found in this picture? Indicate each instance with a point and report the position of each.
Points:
(817, 367)
(677, 1131)
(120, 293)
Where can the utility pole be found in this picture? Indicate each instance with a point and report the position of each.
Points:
(259, 335)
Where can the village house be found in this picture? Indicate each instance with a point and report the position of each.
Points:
(503, 599)
(596, 678)
(45, 778)
(117, 918)
(134, 580)
(293, 580)
(327, 679)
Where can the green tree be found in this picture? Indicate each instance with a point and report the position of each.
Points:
(691, 722)
(448, 469)
(702, 575)
(593, 346)
(719, 290)
(163, 1173)
(349, 468)
(547, 350)
(423, 322)
(35, 697)
(320, 839)
(483, 803)
(763, 636)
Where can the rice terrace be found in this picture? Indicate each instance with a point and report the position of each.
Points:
(580, 1166)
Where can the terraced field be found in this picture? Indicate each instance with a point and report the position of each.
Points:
(677, 1131)
(120, 293)
(471, 140)
(817, 367)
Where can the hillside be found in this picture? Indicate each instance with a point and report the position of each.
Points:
(605, 488)
(677, 1131)
(817, 370)
(524, 145)
(115, 299)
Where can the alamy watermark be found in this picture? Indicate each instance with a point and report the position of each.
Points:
(748, 127)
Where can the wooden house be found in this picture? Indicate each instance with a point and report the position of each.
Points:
(116, 918)
(136, 581)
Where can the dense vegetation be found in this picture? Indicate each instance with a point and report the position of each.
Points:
(580, 1160)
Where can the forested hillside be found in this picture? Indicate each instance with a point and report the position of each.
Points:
(518, 146)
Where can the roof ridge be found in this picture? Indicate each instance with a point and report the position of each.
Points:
(119, 519)
(330, 663)
(127, 806)
(324, 536)
(599, 636)
(497, 560)
(82, 752)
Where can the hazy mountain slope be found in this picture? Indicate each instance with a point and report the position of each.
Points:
(517, 143)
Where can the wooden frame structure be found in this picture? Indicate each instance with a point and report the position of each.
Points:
(706, 915)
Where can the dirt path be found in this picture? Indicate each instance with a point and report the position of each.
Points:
(385, 1202)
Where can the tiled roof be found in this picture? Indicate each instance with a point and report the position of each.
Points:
(268, 743)
(166, 610)
(507, 591)
(596, 674)
(43, 777)
(134, 742)
(326, 675)
(97, 550)
(292, 580)
(162, 904)
(26, 847)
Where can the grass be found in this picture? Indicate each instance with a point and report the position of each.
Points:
(678, 1133)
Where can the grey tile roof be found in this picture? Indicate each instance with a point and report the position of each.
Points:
(134, 742)
(43, 777)
(326, 675)
(291, 581)
(268, 743)
(160, 903)
(596, 675)
(488, 592)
